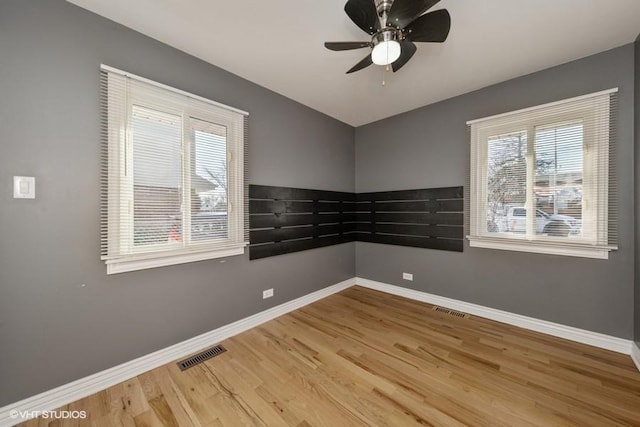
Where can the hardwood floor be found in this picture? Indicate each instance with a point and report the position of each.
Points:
(365, 358)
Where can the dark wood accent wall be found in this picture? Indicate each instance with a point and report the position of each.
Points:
(284, 220)
(425, 218)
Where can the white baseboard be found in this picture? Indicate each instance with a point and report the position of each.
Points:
(635, 354)
(87, 386)
(595, 339)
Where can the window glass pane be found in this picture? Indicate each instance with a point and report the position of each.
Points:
(559, 179)
(209, 182)
(157, 177)
(506, 182)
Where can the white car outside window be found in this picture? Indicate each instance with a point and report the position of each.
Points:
(555, 225)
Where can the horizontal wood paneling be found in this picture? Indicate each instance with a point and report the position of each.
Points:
(285, 220)
(417, 242)
(413, 206)
(268, 192)
(426, 218)
(277, 220)
(419, 194)
(412, 230)
(412, 218)
(293, 206)
(289, 233)
(279, 248)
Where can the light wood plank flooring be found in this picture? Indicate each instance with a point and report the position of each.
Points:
(365, 358)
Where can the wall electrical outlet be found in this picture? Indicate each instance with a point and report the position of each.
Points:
(24, 187)
(267, 294)
(407, 276)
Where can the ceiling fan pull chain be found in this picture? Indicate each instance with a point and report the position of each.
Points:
(386, 69)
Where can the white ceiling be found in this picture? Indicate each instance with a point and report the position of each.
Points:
(278, 44)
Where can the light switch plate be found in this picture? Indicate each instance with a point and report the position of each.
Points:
(24, 187)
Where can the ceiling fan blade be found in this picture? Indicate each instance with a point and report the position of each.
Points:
(407, 51)
(362, 64)
(403, 12)
(432, 27)
(363, 13)
(346, 45)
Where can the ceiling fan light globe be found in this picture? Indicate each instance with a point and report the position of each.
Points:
(385, 52)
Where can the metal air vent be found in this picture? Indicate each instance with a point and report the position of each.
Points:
(451, 312)
(201, 357)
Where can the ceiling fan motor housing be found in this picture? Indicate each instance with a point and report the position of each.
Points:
(385, 35)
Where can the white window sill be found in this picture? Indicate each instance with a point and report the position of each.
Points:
(541, 248)
(142, 262)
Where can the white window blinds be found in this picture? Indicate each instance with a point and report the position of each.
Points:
(174, 186)
(542, 180)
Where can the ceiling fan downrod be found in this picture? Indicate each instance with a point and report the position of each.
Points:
(383, 7)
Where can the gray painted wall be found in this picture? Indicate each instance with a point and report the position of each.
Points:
(429, 147)
(61, 316)
(636, 311)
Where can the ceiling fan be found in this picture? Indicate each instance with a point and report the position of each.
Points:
(394, 26)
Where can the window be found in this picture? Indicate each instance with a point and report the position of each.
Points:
(173, 176)
(541, 181)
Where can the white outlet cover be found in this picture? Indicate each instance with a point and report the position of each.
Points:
(24, 187)
(407, 276)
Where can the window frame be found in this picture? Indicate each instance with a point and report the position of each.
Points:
(121, 256)
(595, 119)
